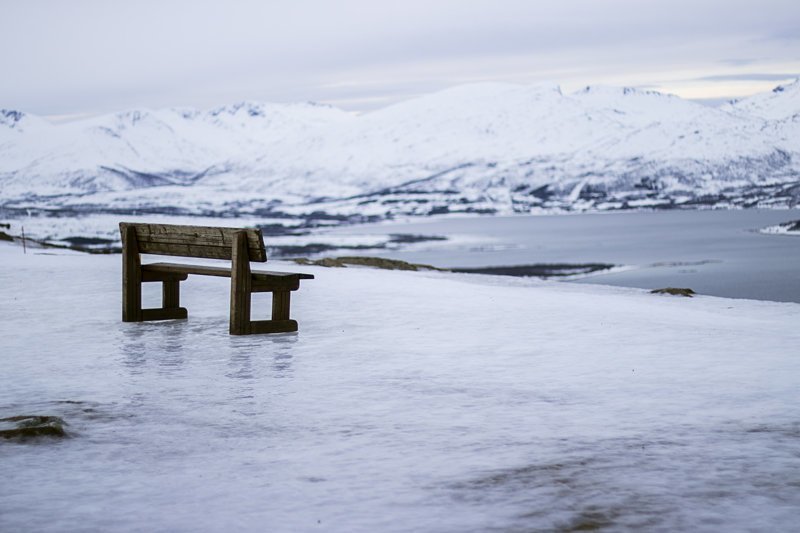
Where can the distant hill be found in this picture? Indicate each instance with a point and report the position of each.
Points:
(489, 148)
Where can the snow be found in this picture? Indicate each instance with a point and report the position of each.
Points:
(483, 141)
(786, 228)
(780, 103)
(408, 401)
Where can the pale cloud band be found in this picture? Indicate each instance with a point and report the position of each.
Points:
(96, 56)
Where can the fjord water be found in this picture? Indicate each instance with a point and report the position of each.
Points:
(714, 252)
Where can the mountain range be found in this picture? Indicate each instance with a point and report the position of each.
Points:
(482, 148)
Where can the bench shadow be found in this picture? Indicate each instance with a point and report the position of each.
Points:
(169, 346)
(162, 343)
(277, 347)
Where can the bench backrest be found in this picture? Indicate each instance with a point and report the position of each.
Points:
(193, 241)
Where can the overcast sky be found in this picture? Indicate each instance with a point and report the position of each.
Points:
(62, 58)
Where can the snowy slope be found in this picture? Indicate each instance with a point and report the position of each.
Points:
(145, 148)
(483, 147)
(14, 125)
(780, 103)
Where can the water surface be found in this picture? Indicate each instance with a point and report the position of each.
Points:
(717, 253)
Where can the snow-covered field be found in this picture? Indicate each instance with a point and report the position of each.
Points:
(406, 402)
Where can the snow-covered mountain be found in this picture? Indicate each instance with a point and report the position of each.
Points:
(779, 104)
(474, 148)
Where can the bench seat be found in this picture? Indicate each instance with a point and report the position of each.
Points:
(262, 280)
(223, 272)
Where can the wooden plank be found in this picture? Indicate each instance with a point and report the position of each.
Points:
(254, 239)
(150, 276)
(171, 294)
(273, 326)
(269, 274)
(219, 238)
(131, 277)
(275, 284)
(196, 241)
(185, 269)
(176, 313)
(280, 305)
(196, 234)
(186, 250)
(240, 286)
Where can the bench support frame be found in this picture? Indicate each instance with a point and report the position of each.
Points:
(242, 289)
(131, 277)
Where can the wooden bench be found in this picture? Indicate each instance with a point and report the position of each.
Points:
(240, 246)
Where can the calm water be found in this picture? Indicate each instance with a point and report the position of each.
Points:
(717, 253)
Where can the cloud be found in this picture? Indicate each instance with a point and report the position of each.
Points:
(788, 34)
(749, 76)
(95, 55)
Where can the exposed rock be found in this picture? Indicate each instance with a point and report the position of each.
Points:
(374, 262)
(5, 236)
(794, 225)
(325, 262)
(541, 270)
(785, 228)
(31, 426)
(674, 291)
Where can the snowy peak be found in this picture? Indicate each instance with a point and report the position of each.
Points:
(134, 123)
(622, 91)
(252, 109)
(645, 108)
(790, 88)
(628, 98)
(781, 103)
(11, 118)
(134, 118)
(261, 109)
(17, 121)
(259, 116)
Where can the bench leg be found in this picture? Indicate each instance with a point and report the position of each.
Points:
(131, 291)
(240, 308)
(170, 294)
(280, 322)
(170, 303)
(242, 290)
(280, 305)
(240, 313)
(170, 298)
(131, 299)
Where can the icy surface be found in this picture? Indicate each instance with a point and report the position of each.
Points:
(407, 402)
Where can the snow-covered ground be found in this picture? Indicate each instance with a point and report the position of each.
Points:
(407, 402)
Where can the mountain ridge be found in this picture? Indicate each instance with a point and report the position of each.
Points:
(487, 147)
